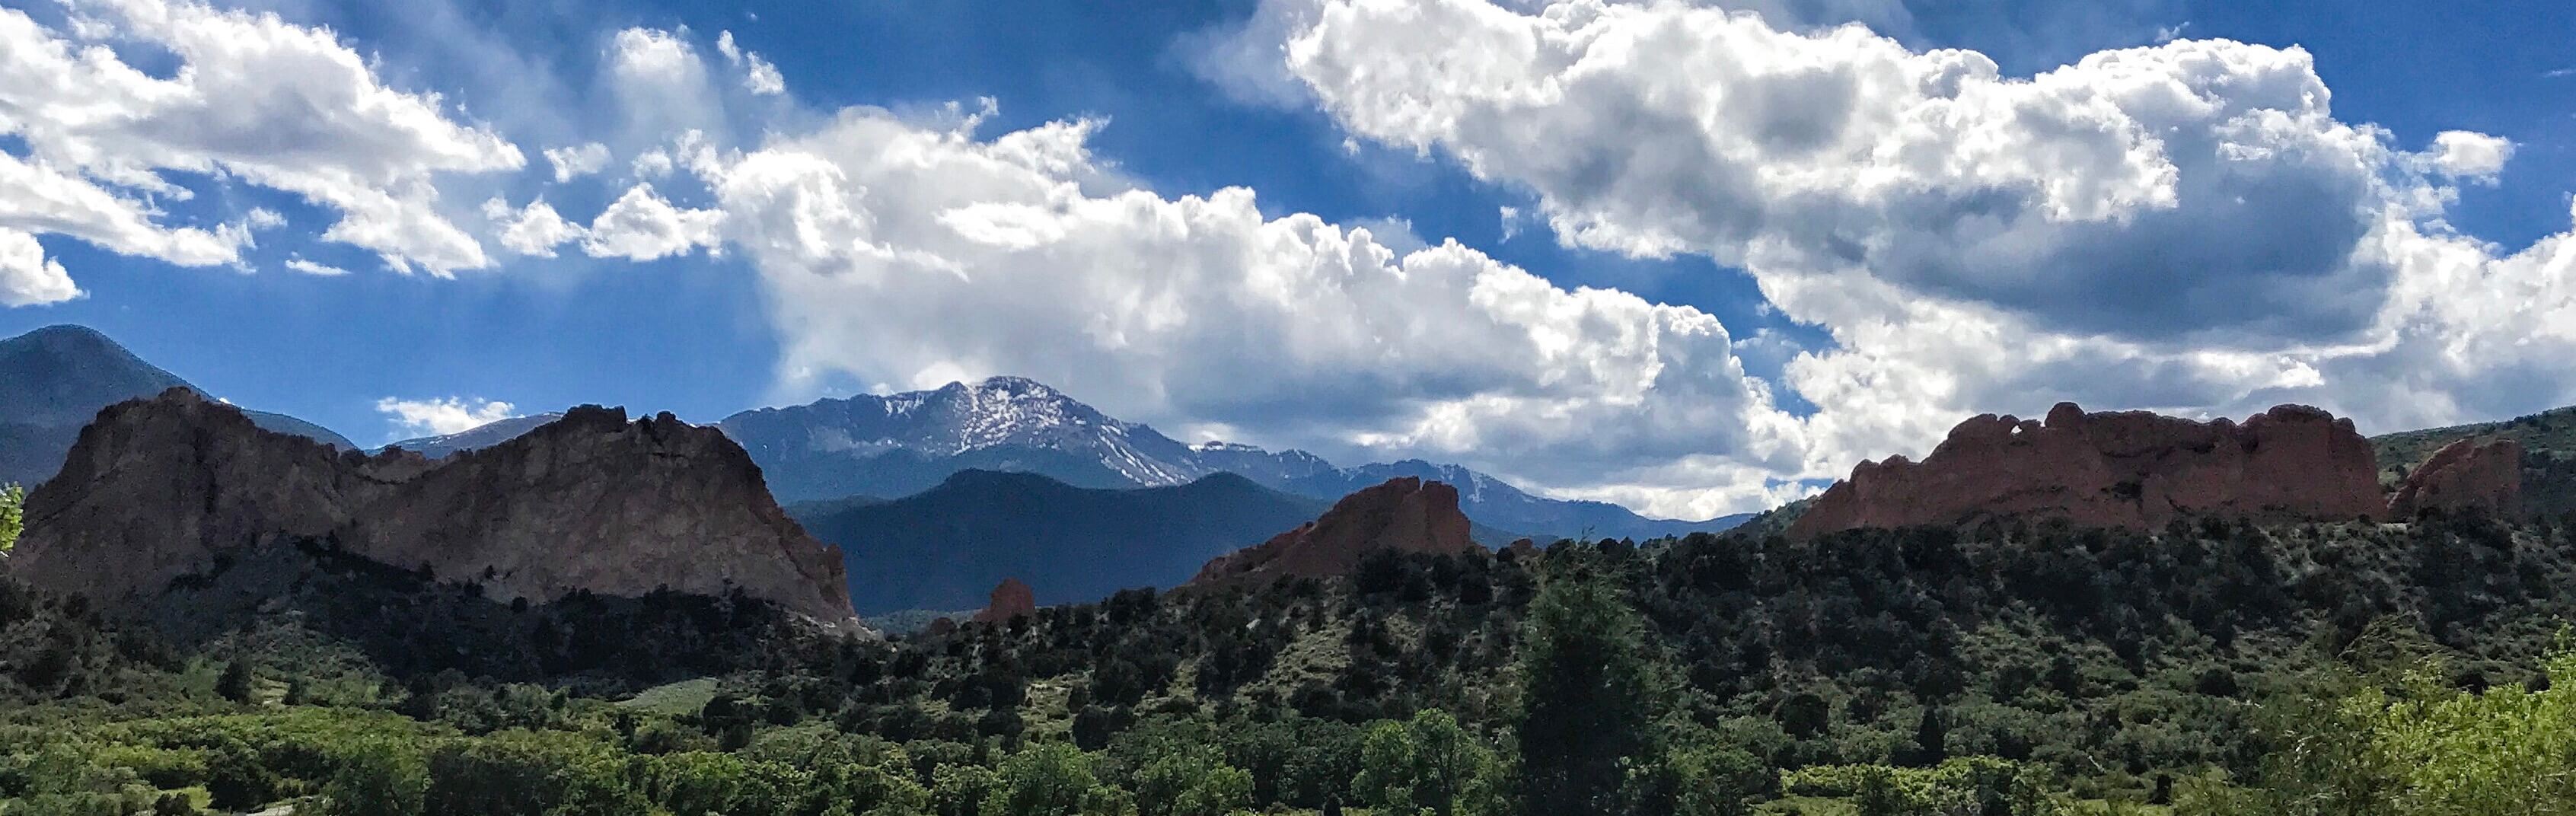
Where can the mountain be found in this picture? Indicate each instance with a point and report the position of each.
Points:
(901, 444)
(946, 547)
(158, 490)
(2547, 439)
(2143, 471)
(1495, 502)
(1405, 515)
(904, 443)
(477, 437)
(55, 379)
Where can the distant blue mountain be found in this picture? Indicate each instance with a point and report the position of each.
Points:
(902, 444)
(1495, 502)
(54, 380)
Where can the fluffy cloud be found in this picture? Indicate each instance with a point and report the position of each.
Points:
(2470, 155)
(577, 160)
(661, 83)
(655, 56)
(447, 415)
(759, 76)
(532, 230)
(252, 99)
(27, 277)
(642, 226)
(910, 253)
(2186, 226)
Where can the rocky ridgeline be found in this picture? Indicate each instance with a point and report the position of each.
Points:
(160, 488)
(1012, 599)
(2141, 470)
(1404, 514)
(2482, 474)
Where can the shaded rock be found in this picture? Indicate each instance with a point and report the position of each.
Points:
(1011, 599)
(2130, 469)
(2470, 474)
(1405, 514)
(161, 488)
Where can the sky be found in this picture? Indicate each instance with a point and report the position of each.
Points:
(1694, 258)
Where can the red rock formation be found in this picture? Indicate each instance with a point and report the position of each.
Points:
(2121, 469)
(2467, 474)
(1405, 514)
(156, 489)
(1010, 600)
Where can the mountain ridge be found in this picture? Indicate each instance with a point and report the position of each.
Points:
(906, 443)
(163, 488)
(56, 379)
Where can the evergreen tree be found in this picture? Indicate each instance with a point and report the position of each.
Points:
(1591, 695)
(235, 683)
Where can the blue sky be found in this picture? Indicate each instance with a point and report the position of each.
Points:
(1674, 423)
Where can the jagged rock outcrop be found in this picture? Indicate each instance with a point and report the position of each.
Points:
(2116, 469)
(1405, 514)
(160, 488)
(2470, 474)
(1012, 599)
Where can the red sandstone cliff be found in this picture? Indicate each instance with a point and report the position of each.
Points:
(2469, 474)
(1406, 514)
(2120, 469)
(1012, 599)
(157, 488)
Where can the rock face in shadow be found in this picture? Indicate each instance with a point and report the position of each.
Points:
(1012, 599)
(161, 488)
(2116, 469)
(1404, 514)
(2470, 474)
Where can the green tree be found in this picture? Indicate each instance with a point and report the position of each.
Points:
(1428, 763)
(235, 683)
(521, 773)
(960, 790)
(1591, 695)
(694, 783)
(1052, 779)
(1192, 780)
(13, 501)
(2421, 748)
(379, 778)
(1708, 781)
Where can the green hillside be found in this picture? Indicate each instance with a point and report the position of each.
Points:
(2548, 442)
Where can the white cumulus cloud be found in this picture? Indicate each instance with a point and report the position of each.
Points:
(535, 229)
(913, 253)
(27, 277)
(641, 226)
(253, 99)
(441, 416)
(759, 76)
(2186, 226)
(2470, 155)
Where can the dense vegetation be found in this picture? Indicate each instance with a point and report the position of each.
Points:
(2210, 668)
(12, 497)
